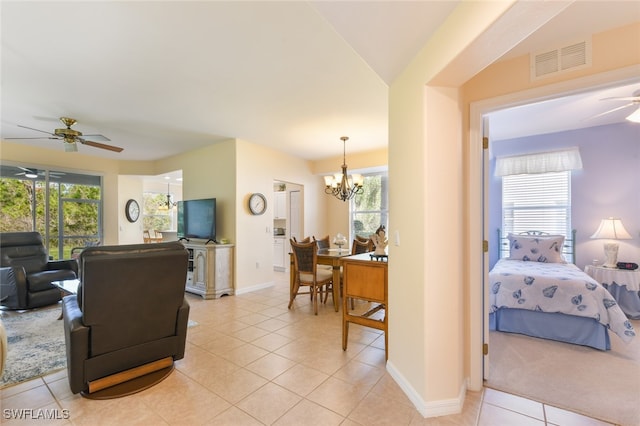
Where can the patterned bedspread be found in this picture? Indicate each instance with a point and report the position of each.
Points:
(555, 287)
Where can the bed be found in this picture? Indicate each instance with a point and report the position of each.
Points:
(536, 292)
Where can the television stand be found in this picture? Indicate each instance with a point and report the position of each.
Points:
(210, 269)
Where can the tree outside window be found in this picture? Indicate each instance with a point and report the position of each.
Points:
(157, 216)
(370, 209)
(65, 208)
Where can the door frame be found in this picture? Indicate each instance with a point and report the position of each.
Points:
(478, 197)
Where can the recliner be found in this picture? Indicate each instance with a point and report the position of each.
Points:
(130, 311)
(27, 272)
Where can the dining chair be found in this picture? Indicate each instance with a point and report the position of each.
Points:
(307, 273)
(304, 240)
(360, 246)
(146, 237)
(323, 243)
(158, 238)
(367, 240)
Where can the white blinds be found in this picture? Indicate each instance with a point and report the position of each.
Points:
(537, 202)
(541, 162)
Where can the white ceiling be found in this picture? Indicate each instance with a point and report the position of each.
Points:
(159, 78)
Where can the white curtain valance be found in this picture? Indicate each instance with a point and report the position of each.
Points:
(541, 162)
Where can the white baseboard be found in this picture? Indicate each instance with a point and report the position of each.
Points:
(443, 407)
(254, 287)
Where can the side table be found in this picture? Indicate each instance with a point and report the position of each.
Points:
(67, 288)
(623, 284)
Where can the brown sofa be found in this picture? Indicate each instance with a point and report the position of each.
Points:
(130, 311)
(26, 272)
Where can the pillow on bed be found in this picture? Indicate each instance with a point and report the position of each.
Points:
(536, 248)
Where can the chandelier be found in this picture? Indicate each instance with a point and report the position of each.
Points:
(169, 204)
(342, 186)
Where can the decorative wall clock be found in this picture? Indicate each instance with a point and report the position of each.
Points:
(257, 204)
(132, 210)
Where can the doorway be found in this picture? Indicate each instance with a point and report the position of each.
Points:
(479, 200)
(288, 220)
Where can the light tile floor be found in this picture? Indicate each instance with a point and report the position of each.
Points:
(250, 361)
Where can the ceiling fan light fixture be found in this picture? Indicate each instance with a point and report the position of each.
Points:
(70, 147)
(31, 173)
(634, 117)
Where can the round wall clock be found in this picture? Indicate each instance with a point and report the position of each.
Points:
(132, 210)
(257, 204)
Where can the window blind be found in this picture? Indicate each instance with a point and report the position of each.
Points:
(537, 202)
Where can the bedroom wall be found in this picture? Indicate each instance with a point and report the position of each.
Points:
(606, 186)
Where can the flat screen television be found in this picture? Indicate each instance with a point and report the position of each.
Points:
(197, 219)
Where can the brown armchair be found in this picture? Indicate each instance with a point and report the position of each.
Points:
(27, 272)
(129, 318)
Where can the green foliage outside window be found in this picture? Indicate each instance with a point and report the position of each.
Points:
(73, 211)
(369, 210)
(156, 215)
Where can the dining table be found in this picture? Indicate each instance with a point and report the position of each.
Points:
(329, 257)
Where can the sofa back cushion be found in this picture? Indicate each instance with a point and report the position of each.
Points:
(24, 249)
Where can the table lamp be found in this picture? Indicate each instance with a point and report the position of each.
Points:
(611, 229)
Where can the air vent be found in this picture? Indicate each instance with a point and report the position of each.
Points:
(561, 59)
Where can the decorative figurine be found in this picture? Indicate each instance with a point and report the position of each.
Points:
(380, 241)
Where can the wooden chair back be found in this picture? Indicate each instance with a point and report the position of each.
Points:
(323, 243)
(359, 247)
(304, 257)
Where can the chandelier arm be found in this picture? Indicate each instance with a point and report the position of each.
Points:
(344, 189)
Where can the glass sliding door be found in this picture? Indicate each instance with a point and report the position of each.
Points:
(65, 208)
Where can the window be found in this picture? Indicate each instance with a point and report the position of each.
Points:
(370, 209)
(536, 202)
(65, 208)
(156, 214)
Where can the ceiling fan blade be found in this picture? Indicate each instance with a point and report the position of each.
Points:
(41, 137)
(610, 111)
(100, 145)
(100, 138)
(37, 130)
(629, 98)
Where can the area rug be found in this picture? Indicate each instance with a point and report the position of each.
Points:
(600, 384)
(35, 344)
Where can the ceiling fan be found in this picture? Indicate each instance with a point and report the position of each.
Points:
(33, 173)
(71, 136)
(631, 101)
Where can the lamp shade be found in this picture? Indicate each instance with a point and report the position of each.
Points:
(611, 229)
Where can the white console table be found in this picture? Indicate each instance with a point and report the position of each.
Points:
(210, 270)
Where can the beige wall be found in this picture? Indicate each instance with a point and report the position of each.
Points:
(130, 187)
(426, 283)
(429, 160)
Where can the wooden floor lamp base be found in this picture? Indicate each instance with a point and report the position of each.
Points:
(132, 386)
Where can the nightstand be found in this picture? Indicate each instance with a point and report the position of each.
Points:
(623, 284)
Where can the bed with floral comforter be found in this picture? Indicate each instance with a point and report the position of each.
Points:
(555, 288)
